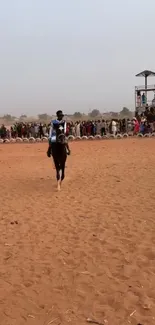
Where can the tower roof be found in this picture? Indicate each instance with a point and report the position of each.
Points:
(146, 73)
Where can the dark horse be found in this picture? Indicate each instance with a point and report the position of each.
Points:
(59, 153)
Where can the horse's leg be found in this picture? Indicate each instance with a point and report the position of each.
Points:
(59, 184)
(63, 168)
(57, 166)
(58, 177)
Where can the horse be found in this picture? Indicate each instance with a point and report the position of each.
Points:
(59, 155)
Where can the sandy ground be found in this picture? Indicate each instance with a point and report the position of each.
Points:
(86, 252)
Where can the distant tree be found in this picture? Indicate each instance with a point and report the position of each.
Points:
(43, 117)
(77, 115)
(114, 115)
(8, 117)
(94, 113)
(125, 112)
(23, 116)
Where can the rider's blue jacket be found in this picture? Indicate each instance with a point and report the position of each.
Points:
(53, 127)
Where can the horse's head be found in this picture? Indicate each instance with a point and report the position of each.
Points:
(60, 134)
(61, 138)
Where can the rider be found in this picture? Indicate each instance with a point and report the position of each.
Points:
(52, 133)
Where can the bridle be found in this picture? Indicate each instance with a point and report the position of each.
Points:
(61, 138)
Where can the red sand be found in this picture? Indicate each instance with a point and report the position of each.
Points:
(86, 252)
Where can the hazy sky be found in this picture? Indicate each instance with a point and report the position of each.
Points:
(74, 55)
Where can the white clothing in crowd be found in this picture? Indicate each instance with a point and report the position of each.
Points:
(114, 128)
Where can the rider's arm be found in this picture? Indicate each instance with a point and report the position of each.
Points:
(65, 127)
(51, 130)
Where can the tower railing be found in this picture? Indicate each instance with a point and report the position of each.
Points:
(142, 88)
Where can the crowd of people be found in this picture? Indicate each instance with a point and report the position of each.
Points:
(24, 130)
(139, 124)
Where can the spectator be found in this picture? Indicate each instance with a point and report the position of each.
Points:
(3, 132)
(98, 127)
(136, 126)
(103, 128)
(77, 129)
(35, 129)
(41, 134)
(114, 127)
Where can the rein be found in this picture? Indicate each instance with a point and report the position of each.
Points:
(61, 138)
